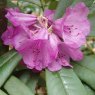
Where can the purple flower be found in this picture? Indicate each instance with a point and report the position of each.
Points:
(74, 26)
(40, 50)
(62, 60)
(73, 53)
(8, 35)
(15, 36)
(38, 45)
(37, 54)
(17, 18)
(49, 14)
(45, 43)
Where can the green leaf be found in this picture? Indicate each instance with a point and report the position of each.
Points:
(89, 90)
(11, 4)
(35, 81)
(30, 80)
(15, 86)
(87, 2)
(8, 67)
(25, 76)
(63, 4)
(86, 70)
(92, 21)
(53, 5)
(7, 56)
(32, 83)
(35, 1)
(41, 80)
(88, 62)
(64, 82)
(2, 93)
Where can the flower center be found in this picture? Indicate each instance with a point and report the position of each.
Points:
(44, 22)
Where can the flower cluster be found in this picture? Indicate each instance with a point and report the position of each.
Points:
(47, 43)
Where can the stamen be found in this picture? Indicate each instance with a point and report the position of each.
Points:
(50, 29)
(37, 26)
(43, 21)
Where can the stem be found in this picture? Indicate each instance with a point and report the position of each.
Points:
(3, 23)
(33, 3)
(91, 38)
(90, 48)
(42, 6)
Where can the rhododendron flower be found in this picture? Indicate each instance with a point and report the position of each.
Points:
(38, 46)
(15, 36)
(74, 26)
(18, 18)
(45, 43)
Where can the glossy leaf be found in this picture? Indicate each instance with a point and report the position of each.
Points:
(86, 70)
(32, 84)
(87, 2)
(30, 80)
(25, 76)
(11, 4)
(8, 67)
(92, 21)
(88, 62)
(89, 90)
(64, 82)
(53, 5)
(63, 4)
(15, 86)
(7, 56)
(35, 1)
(2, 93)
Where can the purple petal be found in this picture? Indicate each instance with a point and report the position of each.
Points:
(54, 41)
(62, 60)
(49, 14)
(54, 66)
(8, 35)
(76, 54)
(18, 18)
(36, 54)
(73, 53)
(15, 36)
(42, 33)
(56, 27)
(76, 25)
(20, 38)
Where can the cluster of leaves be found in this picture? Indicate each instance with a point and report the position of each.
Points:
(15, 79)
